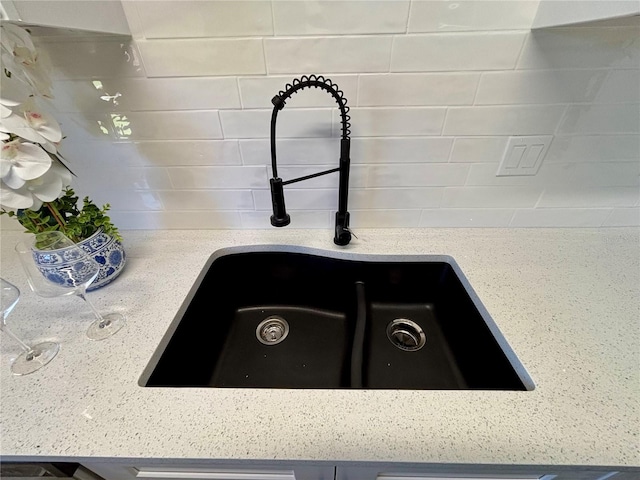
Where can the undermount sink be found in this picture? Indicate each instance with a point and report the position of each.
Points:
(294, 317)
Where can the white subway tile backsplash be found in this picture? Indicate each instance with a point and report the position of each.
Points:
(93, 57)
(384, 219)
(207, 199)
(162, 19)
(581, 47)
(560, 217)
(86, 95)
(394, 198)
(257, 92)
(456, 51)
(88, 128)
(503, 120)
(102, 153)
(359, 198)
(562, 196)
(357, 176)
(623, 217)
(562, 174)
(189, 152)
(594, 148)
(146, 94)
(262, 199)
(599, 119)
(328, 54)
(621, 86)
(472, 217)
(478, 149)
(400, 150)
(490, 197)
(380, 122)
(196, 125)
(300, 199)
(301, 219)
(202, 57)
(124, 198)
(417, 89)
(417, 175)
(321, 151)
(186, 178)
(176, 134)
(92, 176)
(291, 123)
(132, 126)
(185, 220)
(470, 15)
(135, 220)
(339, 18)
(291, 151)
(539, 86)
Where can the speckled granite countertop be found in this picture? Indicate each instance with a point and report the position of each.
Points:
(567, 301)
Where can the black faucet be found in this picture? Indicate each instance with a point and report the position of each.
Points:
(280, 218)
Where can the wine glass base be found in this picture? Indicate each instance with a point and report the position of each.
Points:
(110, 324)
(38, 357)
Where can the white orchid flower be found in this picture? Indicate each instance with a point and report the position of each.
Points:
(14, 90)
(33, 193)
(20, 162)
(22, 59)
(33, 124)
(5, 111)
(14, 38)
(37, 75)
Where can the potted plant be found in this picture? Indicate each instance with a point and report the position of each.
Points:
(34, 179)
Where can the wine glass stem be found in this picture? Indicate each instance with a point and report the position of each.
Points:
(103, 323)
(23, 345)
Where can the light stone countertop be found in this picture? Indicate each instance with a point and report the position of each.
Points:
(567, 301)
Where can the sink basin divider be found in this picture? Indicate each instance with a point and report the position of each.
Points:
(357, 351)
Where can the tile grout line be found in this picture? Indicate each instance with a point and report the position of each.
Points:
(521, 52)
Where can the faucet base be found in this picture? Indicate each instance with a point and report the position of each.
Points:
(343, 234)
(280, 221)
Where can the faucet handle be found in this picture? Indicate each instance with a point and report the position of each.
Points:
(348, 229)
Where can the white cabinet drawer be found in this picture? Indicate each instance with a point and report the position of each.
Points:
(211, 474)
(204, 470)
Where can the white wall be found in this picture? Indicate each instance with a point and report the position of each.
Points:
(565, 12)
(172, 128)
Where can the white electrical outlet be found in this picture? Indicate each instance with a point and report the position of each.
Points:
(524, 155)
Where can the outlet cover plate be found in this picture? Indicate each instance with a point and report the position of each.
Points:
(524, 155)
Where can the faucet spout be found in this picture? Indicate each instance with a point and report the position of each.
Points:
(280, 218)
(343, 234)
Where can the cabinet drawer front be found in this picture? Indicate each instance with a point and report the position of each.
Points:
(463, 477)
(207, 474)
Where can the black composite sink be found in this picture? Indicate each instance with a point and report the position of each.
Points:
(293, 317)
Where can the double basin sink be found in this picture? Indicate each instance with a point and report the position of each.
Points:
(294, 317)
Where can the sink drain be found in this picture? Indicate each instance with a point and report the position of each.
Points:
(272, 330)
(406, 335)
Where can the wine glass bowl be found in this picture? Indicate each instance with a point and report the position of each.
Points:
(64, 266)
(56, 266)
(9, 296)
(32, 358)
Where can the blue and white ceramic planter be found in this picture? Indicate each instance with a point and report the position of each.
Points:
(109, 253)
(105, 249)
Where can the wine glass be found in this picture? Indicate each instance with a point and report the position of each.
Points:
(56, 266)
(32, 358)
